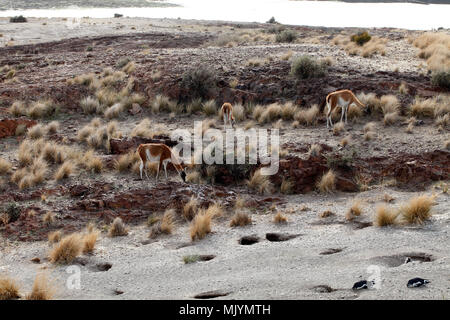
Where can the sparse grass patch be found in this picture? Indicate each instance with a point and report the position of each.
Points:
(200, 225)
(305, 67)
(385, 216)
(327, 183)
(118, 228)
(9, 289)
(5, 166)
(54, 237)
(287, 36)
(67, 249)
(287, 186)
(355, 210)
(240, 219)
(42, 289)
(338, 128)
(90, 239)
(190, 209)
(260, 183)
(64, 171)
(418, 209)
(280, 218)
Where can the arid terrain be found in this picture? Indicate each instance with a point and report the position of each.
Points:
(78, 96)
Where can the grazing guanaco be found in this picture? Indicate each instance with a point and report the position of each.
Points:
(161, 154)
(342, 98)
(227, 110)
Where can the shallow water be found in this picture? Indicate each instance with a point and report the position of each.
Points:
(311, 13)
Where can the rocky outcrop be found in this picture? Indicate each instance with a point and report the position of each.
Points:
(8, 126)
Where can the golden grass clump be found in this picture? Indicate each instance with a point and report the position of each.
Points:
(18, 108)
(5, 166)
(41, 109)
(42, 289)
(370, 126)
(190, 208)
(240, 219)
(375, 45)
(167, 221)
(355, 210)
(200, 225)
(210, 107)
(48, 218)
(418, 209)
(369, 135)
(314, 150)
(391, 118)
(91, 162)
(36, 132)
(371, 101)
(55, 236)
(90, 105)
(287, 186)
(260, 183)
(194, 177)
(280, 218)
(163, 103)
(64, 171)
(90, 239)
(52, 127)
(326, 214)
(9, 289)
(435, 48)
(385, 216)
(271, 112)
(338, 128)
(346, 141)
(307, 116)
(126, 161)
(67, 249)
(327, 183)
(118, 228)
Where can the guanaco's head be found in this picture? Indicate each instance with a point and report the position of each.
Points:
(183, 174)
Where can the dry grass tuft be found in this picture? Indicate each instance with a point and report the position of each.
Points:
(118, 228)
(49, 218)
(326, 214)
(64, 171)
(67, 249)
(435, 48)
(391, 118)
(90, 239)
(385, 216)
(369, 135)
(260, 183)
(280, 218)
(54, 237)
(9, 289)
(194, 177)
(200, 225)
(314, 150)
(418, 209)
(338, 128)
(346, 141)
(36, 132)
(240, 219)
(42, 289)
(190, 209)
(5, 166)
(52, 127)
(355, 210)
(287, 186)
(327, 183)
(167, 221)
(307, 116)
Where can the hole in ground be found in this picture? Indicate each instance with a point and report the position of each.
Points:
(277, 237)
(399, 259)
(211, 294)
(331, 251)
(323, 288)
(248, 240)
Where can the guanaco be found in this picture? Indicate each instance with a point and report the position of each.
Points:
(161, 154)
(342, 98)
(227, 110)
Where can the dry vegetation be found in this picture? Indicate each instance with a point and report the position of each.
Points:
(43, 288)
(200, 225)
(374, 46)
(118, 228)
(327, 183)
(240, 219)
(9, 289)
(67, 249)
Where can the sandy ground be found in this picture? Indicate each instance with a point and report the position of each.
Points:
(265, 270)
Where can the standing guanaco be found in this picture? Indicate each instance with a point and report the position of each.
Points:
(227, 110)
(342, 98)
(161, 154)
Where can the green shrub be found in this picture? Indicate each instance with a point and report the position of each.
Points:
(272, 20)
(305, 67)
(361, 38)
(122, 62)
(18, 19)
(286, 36)
(441, 79)
(200, 82)
(13, 211)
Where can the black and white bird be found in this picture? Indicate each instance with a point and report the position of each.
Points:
(417, 282)
(363, 284)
